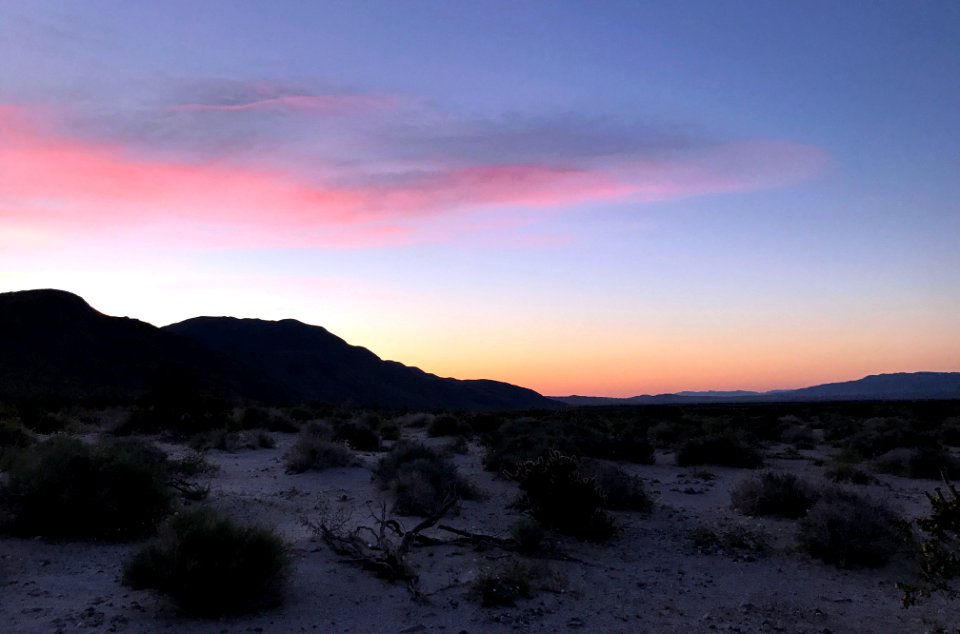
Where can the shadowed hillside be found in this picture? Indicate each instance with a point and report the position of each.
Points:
(308, 363)
(54, 345)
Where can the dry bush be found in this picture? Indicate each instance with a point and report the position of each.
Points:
(312, 452)
(210, 565)
(850, 531)
(561, 497)
(773, 494)
(65, 488)
(421, 479)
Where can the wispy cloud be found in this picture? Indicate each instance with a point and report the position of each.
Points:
(55, 186)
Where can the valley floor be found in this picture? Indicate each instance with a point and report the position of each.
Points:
(651, 578)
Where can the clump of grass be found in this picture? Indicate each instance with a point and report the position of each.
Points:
(722, 449)
(561, 497)
(65, 488)
(312, 452)
(773, 494)
(210, 565)
(850, 531)
(421, 479)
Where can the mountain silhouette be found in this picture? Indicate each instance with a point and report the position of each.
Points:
(54, 345)
(880, 387)
(308, 363)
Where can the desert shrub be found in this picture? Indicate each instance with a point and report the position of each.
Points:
(312, 453)
(877, 436)
(225, 440)
(358, 434)
(773, 494)
(528, 439)
(446, 425)
(950, 432)
(417, 420)
(729, 539)
(723, 449)
(800, 436)
(621, 490)
(939, 552)
(13, 435)
(390, 431)
(632, 445)
(45, 422)
(844, 472)
(211, 566)
(65, 488)
(485, 423)
(507, 583)
(924, 462)
(421, 479)
(561, 497)
(850, 531)
(529, 536)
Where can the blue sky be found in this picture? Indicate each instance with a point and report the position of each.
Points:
(607, 198)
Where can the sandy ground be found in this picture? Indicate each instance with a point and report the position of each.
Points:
(649, 579)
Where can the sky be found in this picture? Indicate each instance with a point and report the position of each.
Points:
(605, 198)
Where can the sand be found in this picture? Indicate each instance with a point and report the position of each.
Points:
(650, 578)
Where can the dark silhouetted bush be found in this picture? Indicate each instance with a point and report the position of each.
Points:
(447, 425)
(849, 531)
(926, 462)
(421, 479)
(211, 566)
(529, 536)
(722, 449)
(561, 497)
(939, 552)
(65, 488)
(621, 490)
(358, 434)
(773, 494)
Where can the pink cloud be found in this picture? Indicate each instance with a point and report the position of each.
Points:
(71, 189)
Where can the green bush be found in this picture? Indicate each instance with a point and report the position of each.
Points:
(65, 488)
(721, 449)
(561, 497)
(211, 566)
(312, 453)
(849, 531)
(773, 494)
(421, 479)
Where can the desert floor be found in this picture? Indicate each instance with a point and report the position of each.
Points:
(651, 578)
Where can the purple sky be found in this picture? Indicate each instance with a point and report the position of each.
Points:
(606, 198)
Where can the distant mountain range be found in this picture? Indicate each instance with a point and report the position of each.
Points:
(898, 386)
(53, 344)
